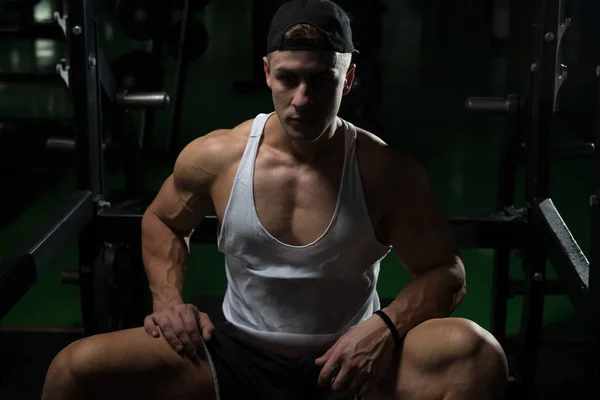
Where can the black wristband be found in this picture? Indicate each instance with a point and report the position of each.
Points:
(390, 324)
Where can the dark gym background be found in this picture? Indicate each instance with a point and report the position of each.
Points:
(432, 55)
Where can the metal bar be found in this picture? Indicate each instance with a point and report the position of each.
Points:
(86, 94)
(507, 176)
(500, 294)
(593, 8)
(494, 105)
(61, 145)
(180, 78)
(549, 19)
(86, 91)
(143, 100)
(569, 262)
(39, 30)
(473, 232)
(19, 271)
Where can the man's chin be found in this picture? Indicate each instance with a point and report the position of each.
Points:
(302, 136)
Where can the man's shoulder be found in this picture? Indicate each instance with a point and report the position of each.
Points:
(381, 162)
(215, 152)
(221, 146)
(225, 141)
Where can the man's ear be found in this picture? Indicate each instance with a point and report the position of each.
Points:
(267, 69)
(349, 79)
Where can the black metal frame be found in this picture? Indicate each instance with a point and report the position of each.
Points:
(20, 270)
(542, 105)
(87, 103)
(500, 231)
(594, 274)
(181, 71)
(565, 255)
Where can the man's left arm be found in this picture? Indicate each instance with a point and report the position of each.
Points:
(424, 242)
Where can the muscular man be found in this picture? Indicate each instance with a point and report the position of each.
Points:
(308, 204)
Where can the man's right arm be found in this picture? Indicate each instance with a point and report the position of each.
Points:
(179, 207)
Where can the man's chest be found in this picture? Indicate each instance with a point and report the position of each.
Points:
(296, 203)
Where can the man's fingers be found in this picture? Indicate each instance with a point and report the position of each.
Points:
(169, 333)
(188, 347)
(191, 326)
(342, 380)
(206, 325)
(323, 359)
(329, 370)
(150, 326)
(193, 331)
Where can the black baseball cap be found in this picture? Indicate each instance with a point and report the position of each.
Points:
(326, 16)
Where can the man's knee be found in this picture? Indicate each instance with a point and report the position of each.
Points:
(461, 355)
(439, 342)
(66, 375)
(477, 346)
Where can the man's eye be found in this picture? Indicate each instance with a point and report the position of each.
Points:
(287, 79)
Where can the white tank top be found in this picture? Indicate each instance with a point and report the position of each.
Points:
(299, 297)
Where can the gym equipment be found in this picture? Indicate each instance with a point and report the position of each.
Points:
(115, 287)
(143, 19)
(180, 78)
(95, 94)
(142, 100)
(19, 271)
(533, 116)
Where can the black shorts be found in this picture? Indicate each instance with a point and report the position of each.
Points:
(246, 371)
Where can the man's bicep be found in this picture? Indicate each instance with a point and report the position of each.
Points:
(180, 208)
(184, 198)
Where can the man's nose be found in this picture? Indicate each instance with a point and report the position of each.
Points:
(301, 96)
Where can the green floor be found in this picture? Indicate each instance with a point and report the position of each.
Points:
(421, 114)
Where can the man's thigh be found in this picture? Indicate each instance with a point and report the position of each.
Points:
(446, 356)
(132, 364)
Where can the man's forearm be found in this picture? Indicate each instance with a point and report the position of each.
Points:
(165, 256)
(434, 294)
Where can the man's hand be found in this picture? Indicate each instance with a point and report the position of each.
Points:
(184, 327)
(358, 360)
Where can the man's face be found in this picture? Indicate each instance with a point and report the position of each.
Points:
(307, 88)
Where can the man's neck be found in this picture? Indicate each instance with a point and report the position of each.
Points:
(306, 152)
